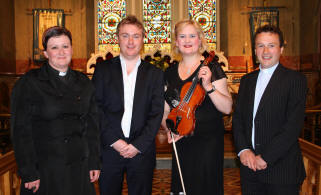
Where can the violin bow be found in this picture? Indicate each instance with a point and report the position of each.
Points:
(178, 165)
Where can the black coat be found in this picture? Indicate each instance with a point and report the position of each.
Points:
(55, 132)
(278, 123)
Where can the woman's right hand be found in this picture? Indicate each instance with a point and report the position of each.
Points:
(33, 185)
(169, 138)
(176, 137)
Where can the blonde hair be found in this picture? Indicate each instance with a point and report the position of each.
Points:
(131, 19)
(181, 24)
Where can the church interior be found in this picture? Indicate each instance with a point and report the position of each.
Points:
(229, 26)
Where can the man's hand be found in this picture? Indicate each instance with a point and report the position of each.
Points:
(34, 185)
(94, 175)
(260, 163)
(248, 159)
(120, 145)
(129, 151)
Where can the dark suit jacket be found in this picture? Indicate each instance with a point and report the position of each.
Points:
(148, 105)
(278, 123)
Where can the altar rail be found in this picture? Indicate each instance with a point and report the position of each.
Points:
(5, 142)
(312, 162)
(9, 181)
(312, 126)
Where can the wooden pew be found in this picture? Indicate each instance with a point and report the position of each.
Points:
(9, 181)
(312, 162)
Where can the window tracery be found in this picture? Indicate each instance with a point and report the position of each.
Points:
(157, 23)
(109, 14)
(204, 12)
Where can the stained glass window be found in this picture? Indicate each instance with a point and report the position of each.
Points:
(110, 13)
(204, 12)
(157, 23)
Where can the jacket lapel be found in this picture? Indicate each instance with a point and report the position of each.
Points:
(139, 91)
(73, 82)
(274, 81)
(118, 75)
(140, 82)
(44, 75)
(251, 92)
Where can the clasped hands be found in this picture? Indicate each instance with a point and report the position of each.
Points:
(253, 162)
(125, 150)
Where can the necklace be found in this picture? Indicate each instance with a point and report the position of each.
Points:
(189, 71)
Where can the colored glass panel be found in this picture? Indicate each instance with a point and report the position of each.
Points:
(157, 21)
(109, 14)
(204, 12)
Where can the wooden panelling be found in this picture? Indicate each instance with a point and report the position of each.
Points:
(9, 182)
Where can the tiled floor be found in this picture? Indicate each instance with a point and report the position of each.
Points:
(232, 181)
(162, 182)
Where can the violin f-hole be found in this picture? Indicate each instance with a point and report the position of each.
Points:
(178, 120)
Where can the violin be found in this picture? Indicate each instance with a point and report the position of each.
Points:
(181, 119)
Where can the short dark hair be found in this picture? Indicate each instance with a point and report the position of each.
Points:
(54, 31)
(131, 19)
(270, 29)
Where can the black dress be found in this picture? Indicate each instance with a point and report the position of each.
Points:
(201, 155)
(55, 132)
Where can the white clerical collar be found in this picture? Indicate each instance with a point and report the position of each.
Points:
(269, 70)
(62, 74)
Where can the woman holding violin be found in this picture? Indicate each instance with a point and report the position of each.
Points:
(201, 151)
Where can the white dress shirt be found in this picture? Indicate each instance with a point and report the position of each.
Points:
(262, 81)
(129, 81)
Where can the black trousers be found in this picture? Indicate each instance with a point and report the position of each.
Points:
(254, 187)
(139, 173)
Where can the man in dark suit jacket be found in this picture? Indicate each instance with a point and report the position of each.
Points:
(267, 121)
(130, 94)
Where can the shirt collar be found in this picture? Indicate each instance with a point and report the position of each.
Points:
(123, 64)
(57, 72)
(269, 70)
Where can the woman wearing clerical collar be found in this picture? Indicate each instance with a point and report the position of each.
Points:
(54, 124)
